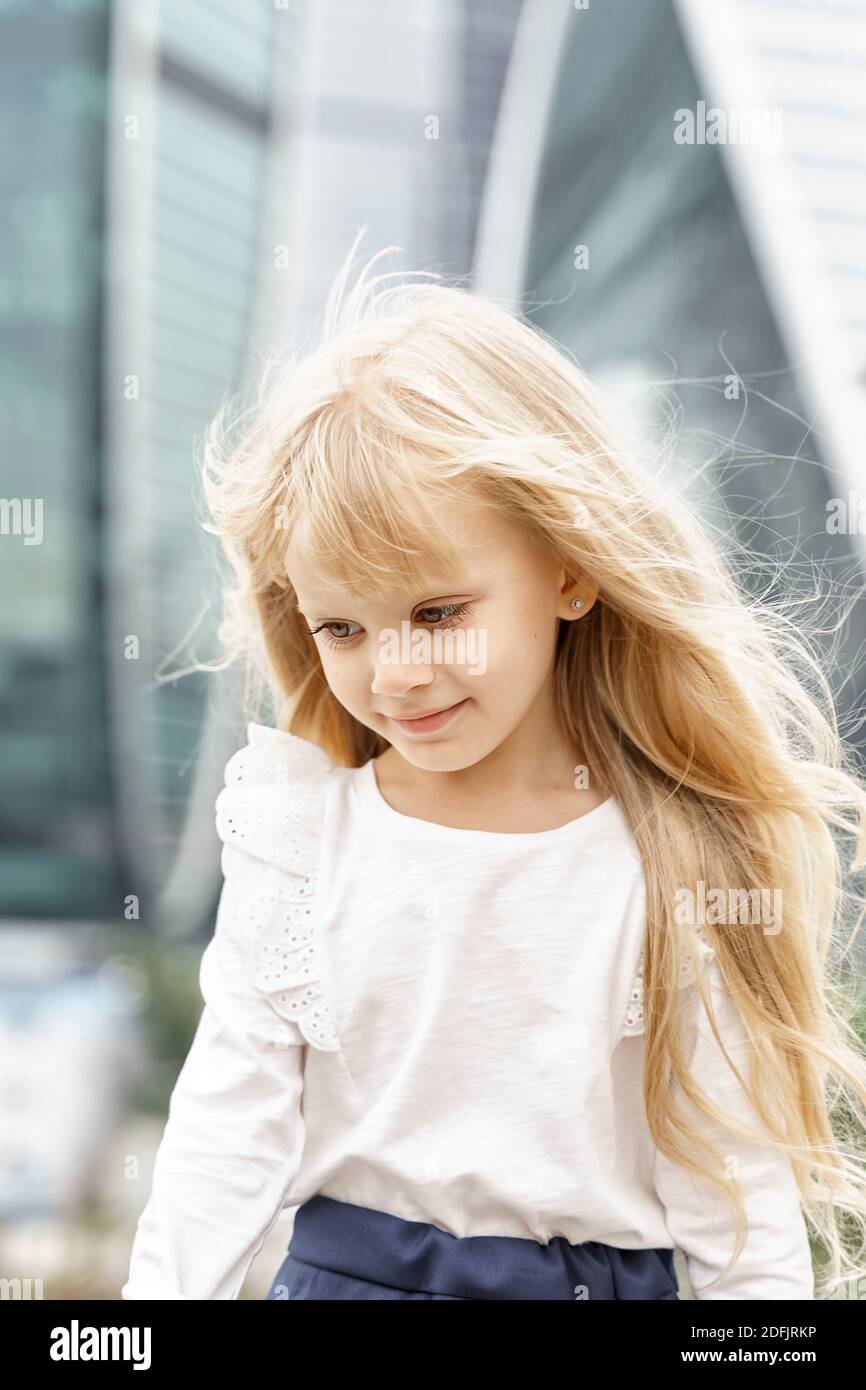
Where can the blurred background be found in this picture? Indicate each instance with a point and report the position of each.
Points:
(181, 181)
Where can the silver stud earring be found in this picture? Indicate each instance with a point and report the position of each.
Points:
(577, 603)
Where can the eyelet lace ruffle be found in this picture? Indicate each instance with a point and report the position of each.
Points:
(635, 1014)
(268, 816)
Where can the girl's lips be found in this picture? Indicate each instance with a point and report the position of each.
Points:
(430, 722)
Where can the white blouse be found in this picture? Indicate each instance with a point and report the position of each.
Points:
(441, 1023)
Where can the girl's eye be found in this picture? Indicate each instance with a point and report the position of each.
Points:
(451, 613)
(335, 639)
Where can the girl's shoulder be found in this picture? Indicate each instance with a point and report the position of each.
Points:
(269, 816)
(274, 796)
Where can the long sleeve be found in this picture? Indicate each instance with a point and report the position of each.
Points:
(234, 1135)
(775, 1261)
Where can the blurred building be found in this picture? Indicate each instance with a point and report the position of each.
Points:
(57, 853)
(192, 121)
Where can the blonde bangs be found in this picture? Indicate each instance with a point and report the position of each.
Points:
(366, 504)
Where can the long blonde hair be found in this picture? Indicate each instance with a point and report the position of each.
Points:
(703, 709)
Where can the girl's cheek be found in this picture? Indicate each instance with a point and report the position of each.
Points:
(335, 677)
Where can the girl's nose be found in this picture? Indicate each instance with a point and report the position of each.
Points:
(398, 678)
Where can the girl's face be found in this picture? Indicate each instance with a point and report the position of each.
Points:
(448, 672)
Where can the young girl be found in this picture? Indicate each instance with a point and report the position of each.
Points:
(527, 966)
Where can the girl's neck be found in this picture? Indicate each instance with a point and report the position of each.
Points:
(528, 783)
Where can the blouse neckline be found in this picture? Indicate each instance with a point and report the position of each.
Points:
(375, 807)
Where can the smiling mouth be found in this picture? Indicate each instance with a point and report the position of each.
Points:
(429, 721)
(425, 714)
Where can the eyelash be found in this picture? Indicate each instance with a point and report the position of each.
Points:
(456, 612)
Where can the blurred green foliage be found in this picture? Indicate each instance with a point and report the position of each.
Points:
(172, 1008)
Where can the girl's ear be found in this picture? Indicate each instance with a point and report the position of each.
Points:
(576, 597)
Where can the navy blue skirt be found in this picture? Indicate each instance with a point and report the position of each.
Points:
(341, 1250)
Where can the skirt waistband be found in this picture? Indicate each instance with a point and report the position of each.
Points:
(377, 1246)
